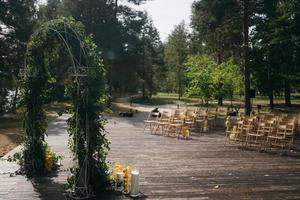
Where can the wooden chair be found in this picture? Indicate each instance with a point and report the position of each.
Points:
(270, 126)
(174, 127)
(198, 127)
(162, 123)
(277, 138)
(239, 133)
(212, 116)
(290, 133)
(150, 122)
(177, 115)
(257, 136)
(190, 119)
(248, 124)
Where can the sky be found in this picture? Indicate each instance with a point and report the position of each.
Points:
(165, 13)
(168, 13)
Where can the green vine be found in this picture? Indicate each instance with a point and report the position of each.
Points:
(88, 94)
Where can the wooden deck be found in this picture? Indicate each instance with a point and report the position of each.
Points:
(199, 168)
(202, 168)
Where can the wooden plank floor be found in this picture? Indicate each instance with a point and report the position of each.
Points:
(200, 168)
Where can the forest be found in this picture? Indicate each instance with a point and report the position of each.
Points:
(229, 48)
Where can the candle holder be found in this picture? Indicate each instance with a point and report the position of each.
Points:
(134, 190)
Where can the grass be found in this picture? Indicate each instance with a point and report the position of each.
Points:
(172, 98)
(163, 99)
(153, 101)
(264, 100)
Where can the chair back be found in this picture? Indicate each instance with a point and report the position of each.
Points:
(165, 116)
(290, 128)
(281, 131)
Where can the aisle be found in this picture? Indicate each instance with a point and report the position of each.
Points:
(17, 187)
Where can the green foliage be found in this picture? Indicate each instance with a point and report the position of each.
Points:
(16, 24)
(88, 97)
(151, 59)
(175, 54)
(208, 80)
(50, 164)
(199, 74)
(215, 28)
(119, 31)
(3, 99)
(227, 79)
(274, 56)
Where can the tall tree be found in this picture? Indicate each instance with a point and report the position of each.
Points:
(285, 37)
(117, 30)
(246, 56)
(274, 50)
(4, 75)
(263, 56)
(151, 59)
(215, 31)
(18, 19)
(176, 51)
(200, 69)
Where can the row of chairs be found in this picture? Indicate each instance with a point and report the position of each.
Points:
(263, 131)
(179, 122)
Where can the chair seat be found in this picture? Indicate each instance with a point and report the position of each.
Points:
(177, 125)
(163, 123)
(189, 122)
(149, 121)
(276, 137)
(255, 134)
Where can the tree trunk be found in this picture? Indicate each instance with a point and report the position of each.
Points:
(14, 103)
(220, 100)
(246, 58)
(270, 85)
(179, 88)
(143, 91)
(220, 96)
(151, 85)
(287, 93)
(271, 97)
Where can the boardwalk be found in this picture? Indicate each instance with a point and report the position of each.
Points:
(200, 168)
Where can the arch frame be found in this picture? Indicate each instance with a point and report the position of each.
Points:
(86, 89)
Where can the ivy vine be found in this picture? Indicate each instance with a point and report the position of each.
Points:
(85, 86)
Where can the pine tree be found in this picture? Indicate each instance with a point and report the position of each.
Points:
(176, 51)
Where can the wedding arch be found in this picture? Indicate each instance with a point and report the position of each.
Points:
(85, 86)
